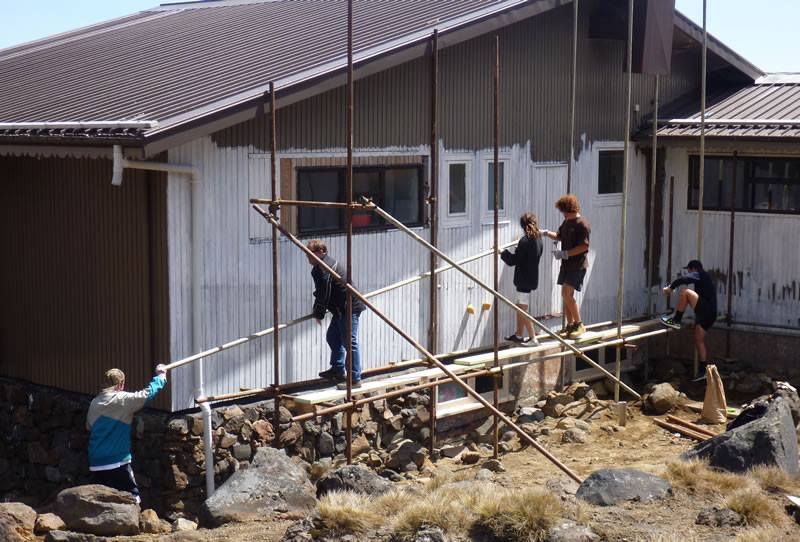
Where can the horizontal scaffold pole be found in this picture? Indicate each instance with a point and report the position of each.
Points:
(399, 225)
(421, 349)
(268, 331)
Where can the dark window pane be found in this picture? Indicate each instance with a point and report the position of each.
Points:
(450, 392)
(609, 174)
(318, 185)
(490, 199)
(593, 355)
(457, 189)
(401, 194)
(485, 384)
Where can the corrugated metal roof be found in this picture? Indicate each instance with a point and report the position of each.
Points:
(181, 62)
(173, 59)
(768, 109)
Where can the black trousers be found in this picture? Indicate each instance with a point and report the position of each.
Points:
(120, 478)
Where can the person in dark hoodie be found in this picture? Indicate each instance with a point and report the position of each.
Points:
(703, 299)
(331, 296)
(525, 261)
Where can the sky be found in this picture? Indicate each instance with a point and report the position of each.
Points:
(764, 32)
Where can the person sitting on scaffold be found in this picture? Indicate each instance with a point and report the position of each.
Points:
(703, 299)
(525, 261)
(574, 235)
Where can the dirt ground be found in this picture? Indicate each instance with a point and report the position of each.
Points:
(641, 445)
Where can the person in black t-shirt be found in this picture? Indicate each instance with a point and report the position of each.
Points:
(574, 235)
(703, 299)
(525, 261)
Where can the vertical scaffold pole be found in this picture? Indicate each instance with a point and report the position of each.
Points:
(702, 174)
(433, 202)
(729, 311)
(495, 257)
(276, 358)
(624, 221)
(653, 174)
(572, 95)
(348, 214)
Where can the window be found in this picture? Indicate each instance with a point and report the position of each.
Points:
(770, 185)
(397, 189)
(457, 189)
(610, 172)
(490, 186)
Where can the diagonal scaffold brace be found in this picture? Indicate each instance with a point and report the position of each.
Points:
(389, 218)
(421, 349)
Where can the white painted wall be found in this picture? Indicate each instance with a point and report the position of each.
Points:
(236, 275)
(766, 255)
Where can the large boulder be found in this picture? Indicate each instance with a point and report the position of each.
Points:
(273, 483)
(607, 487)
(97, 509)
(356, 478)
(769, 440)
(407, 456)
(16, 521)
(660, 399)
(48, 522)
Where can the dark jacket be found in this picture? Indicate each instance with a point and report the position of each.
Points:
(525, 262)
(703, 285)
(329, 294)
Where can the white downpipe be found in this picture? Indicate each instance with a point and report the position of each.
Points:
(120, 163)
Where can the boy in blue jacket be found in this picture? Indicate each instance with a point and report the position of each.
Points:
(109, 422)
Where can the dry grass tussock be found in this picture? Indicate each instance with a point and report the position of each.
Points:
(524, 517)
(448, 507)
(347, 511)
(772, 479)
(756, 508)
(762, 534)
(698, 476)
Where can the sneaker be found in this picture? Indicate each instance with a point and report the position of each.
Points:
(578, 329)
(514, 338)
(670, 322)
(565, 331)
(332, 374)
(343, 385)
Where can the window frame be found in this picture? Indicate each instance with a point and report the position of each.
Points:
(454, 220)
(749, 183)
(460, 405)
(487, 213)
(610, 199)
(342, 173)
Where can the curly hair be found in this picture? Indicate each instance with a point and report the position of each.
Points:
(317, 245)
(568, 204)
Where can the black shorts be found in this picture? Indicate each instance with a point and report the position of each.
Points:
(705, 314)
(120, 478)
(572, 277)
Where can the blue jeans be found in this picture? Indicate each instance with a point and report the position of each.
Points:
(337, 340)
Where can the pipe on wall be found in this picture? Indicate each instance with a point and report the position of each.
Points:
(193, 173)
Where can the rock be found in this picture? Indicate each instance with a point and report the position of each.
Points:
(470, 458)
(579, 390)
(273, 483)
(494, 465)
(360, 445)
(290, 435)
(574, 435)
(325, 444)
(749, 384)
(391, 475)
(660, 399)
(17, 521)
(563, 487)
(719, 517)
(48, 522)
(99, 510)
(242, 452)
(484, 475)
(227, 440)
(353, 478)
(582, 425)
(300, 531)
(452, 451)
(530, 415)
(566, 423)
(570, 531)
(555, 400)
(406, 453)
(182, 524)
(769, 440)
(264, 430)
(607, 487)
(149, 522)
(792, 400)
(429, 533)
(69, 536)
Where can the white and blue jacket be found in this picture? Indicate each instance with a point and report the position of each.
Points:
(109, 422)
